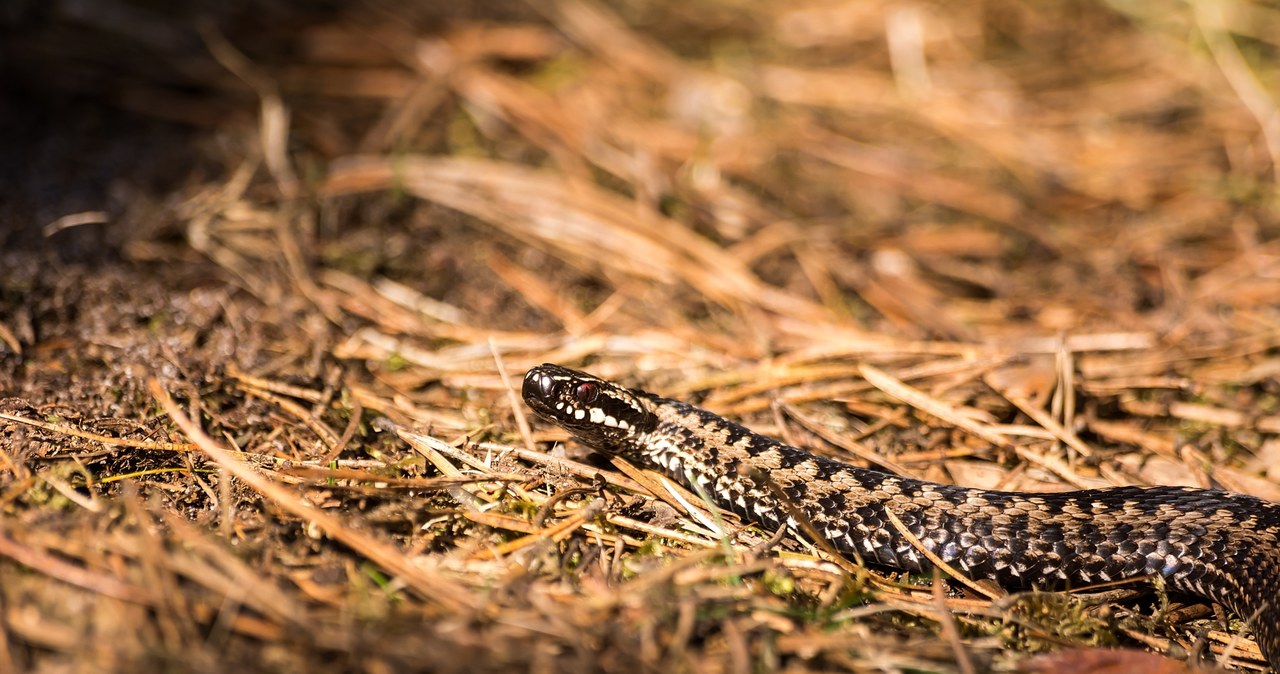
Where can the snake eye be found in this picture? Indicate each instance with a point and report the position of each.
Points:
(547, 386)
(586, 393)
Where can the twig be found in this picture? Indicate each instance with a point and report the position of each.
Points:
(430, 586)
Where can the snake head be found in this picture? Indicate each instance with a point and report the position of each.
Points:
(601, 414)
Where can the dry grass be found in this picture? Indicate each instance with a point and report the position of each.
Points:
(1029, 246)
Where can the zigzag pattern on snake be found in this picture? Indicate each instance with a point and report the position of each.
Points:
(1211, 543)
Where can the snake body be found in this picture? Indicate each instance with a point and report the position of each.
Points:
(1211, 543)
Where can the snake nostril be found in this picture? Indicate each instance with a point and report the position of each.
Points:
(547, 386)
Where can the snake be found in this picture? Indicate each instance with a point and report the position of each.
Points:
(1214, 544)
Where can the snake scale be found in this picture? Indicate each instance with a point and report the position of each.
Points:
(1211, 543)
